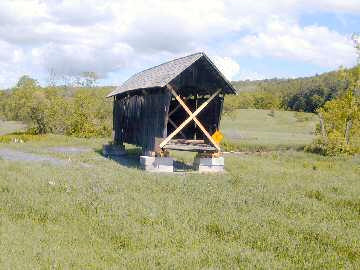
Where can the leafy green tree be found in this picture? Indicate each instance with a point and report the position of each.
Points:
(340, 119)
(17, 105)
(301, 94)
(87, 79)
(82, 112)
(38, 108)
(89, 115)
(27, 82)
(341, 125)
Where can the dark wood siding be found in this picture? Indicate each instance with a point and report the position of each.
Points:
(141, 117)
(200, 78)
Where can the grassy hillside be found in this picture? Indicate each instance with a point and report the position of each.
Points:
(10, 126)
(63, 205)
(300, 94)
(288, 85)
(268, 130)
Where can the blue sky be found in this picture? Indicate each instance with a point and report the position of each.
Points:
(246, 39)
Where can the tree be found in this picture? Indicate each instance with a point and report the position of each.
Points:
(340, 118)
(26, 81)
(356, 39)
(341, 124)
(52, 78)
(87, 79)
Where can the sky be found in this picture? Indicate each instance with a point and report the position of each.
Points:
(247, 39)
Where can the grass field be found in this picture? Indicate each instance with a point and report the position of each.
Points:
(10, 126)
(279, 209)
(265, 130)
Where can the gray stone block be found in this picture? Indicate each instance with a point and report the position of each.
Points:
(209, 164)
(157, 164)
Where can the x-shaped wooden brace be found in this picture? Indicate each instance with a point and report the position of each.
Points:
(192, 116)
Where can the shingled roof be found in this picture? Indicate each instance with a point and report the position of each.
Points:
(161, 75)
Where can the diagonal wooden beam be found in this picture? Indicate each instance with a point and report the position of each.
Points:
(192, 116)
(175, 126)
(174, 110)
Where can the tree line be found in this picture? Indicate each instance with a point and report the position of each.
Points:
(79, 111)
(300, 94)
(334, 96)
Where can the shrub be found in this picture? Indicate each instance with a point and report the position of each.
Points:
(252, 100)
(90, 116)
(340, 122)
(81, 112)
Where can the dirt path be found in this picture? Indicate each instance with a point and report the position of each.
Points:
(15, 155)
(69, 150)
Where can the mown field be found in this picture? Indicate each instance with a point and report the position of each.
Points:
(64, 206)
(7, 127)
(263, 130)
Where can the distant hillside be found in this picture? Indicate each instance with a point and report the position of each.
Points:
(276, 83)
(300, 94)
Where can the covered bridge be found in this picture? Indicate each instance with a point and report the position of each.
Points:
(176, 105)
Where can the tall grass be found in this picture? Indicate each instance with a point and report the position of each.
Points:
(266, 130)
(277, 210)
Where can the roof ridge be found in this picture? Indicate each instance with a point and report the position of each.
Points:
(138, 74)
(165, 63)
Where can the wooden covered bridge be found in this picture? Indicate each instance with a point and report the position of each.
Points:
(176, 105)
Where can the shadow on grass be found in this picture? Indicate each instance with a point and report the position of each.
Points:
(180, 166)
(130, 159)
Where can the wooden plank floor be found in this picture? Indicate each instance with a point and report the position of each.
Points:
(190, 145)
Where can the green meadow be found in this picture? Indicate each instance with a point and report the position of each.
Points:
(7, 127)
(264, 130)
(65, 206)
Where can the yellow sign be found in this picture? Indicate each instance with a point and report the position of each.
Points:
(217, 136)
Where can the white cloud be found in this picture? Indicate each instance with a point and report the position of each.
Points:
(109, 35)
(228, 66)
(313, 44)
(337, 6)
(250, 75)
(7, 52)
(73, 59)
(80, 12)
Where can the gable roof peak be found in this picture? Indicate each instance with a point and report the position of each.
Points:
(161, 75)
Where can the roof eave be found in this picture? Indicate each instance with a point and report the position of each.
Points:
(232, 89)
(114, 93)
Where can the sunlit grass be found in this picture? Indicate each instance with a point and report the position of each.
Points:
(265, 130)
(282, 209)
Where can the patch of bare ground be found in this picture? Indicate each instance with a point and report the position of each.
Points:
(69, 149)
(15, 155)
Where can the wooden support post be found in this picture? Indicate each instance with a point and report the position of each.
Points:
(196, 106)
(192, 116)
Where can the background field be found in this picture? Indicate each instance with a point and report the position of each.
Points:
(281, 209)
(251, 129)
(10, 126)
